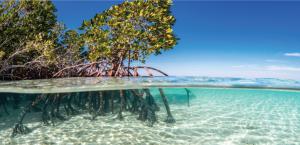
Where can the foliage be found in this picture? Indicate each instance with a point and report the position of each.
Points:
(131, 30)
(73, 47)
(27, 30)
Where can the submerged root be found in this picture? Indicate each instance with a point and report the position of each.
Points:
(170, 118)
(151, 117)
(55, 106)
(100, 105)
(188, 92)
(20, 129)
(54, 114)
(148, 107)
(69, 108)
(151, 108)
(122, 104)
(3, 102)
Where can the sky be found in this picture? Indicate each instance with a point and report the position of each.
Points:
(219, 38)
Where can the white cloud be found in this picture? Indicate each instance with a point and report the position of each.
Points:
(239, 66)
(282, 68)
(250, 66)
(292, 54)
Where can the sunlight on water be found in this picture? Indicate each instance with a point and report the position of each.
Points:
(208, 116)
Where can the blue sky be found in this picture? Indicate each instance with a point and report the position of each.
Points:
(220, 38)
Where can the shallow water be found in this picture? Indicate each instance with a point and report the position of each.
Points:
(211, 115)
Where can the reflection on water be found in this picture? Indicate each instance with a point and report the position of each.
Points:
(213, 116)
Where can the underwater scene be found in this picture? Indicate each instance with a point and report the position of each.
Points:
(157, 110)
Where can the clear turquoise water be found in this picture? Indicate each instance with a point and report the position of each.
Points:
(215, 115)
(242, 116)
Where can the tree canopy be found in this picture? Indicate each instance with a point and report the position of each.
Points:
(32, 40)
(24, 25)
(131, 30)
(29, 33)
